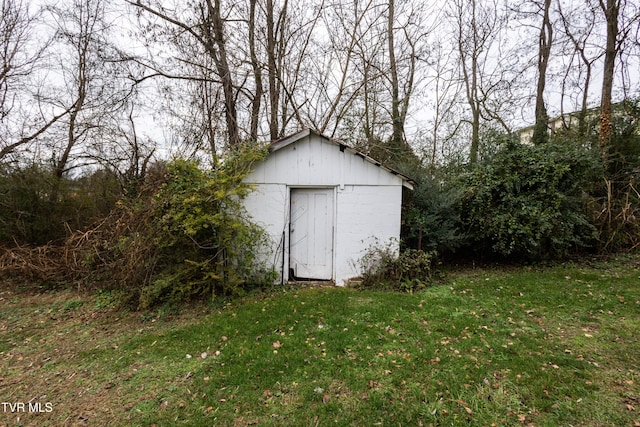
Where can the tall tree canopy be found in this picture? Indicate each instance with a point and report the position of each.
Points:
(204, 76)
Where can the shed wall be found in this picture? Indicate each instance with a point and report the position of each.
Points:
(367, 204)
(367, 215)
(268, 205)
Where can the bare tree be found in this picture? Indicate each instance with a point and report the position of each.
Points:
(214, 42)
(412, 31)
(124, 151)
(445, 90)
(397, 118)
(272, 53)
(335, 84)
(206, 26)
(251, 56)
(77, 26)
(257, 72)
(88, 65)
(20, 58)
(622, 18)
(14, 33)
(288, 33)
(476, 27)
(295, 30)
(370, 72)
(578, 26)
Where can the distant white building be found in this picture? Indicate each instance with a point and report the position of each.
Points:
(322, 205)
(571, 121)
(563, 122)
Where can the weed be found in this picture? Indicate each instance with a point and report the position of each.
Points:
(72, 305)
(409, 271)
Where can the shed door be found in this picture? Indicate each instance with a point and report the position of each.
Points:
(311, 233)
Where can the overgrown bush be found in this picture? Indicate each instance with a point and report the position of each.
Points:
(36, 207)
(383, 268)
(188, 239)
(205, 243)
(431, 216)
(616, 194)
(182, 235)
(528, 202)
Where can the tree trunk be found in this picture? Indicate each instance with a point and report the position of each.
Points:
(216, 47)
(470, 76)
(396, 118)
(606, 123)
(540, 132)
(274, 98)
(81, 42)
(257, 73)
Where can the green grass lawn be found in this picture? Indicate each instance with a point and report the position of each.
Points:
(556, 346)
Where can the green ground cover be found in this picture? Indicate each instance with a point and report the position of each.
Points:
(488, 347)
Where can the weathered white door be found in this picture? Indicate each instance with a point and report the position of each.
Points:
(311, 233)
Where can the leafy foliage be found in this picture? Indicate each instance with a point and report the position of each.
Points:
(527, 203)
(36, 207)
(205, 245)
(183, 237)
(431, 217)
(383, 268)
(616, 210)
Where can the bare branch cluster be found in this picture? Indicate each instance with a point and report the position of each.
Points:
(209, 75)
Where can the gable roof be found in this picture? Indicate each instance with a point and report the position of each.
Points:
(291, 139)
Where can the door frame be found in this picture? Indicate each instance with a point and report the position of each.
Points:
(287, 238)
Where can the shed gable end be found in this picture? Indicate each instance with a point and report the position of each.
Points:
(314, 160)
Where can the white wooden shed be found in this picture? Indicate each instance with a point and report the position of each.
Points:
(323, 204)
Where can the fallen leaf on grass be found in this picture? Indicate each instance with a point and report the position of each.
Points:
(277, 344)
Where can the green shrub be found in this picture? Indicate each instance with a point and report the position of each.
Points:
(36, 207)
(528, 203)
(187, 238)
(383, 268)
(431, 218)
